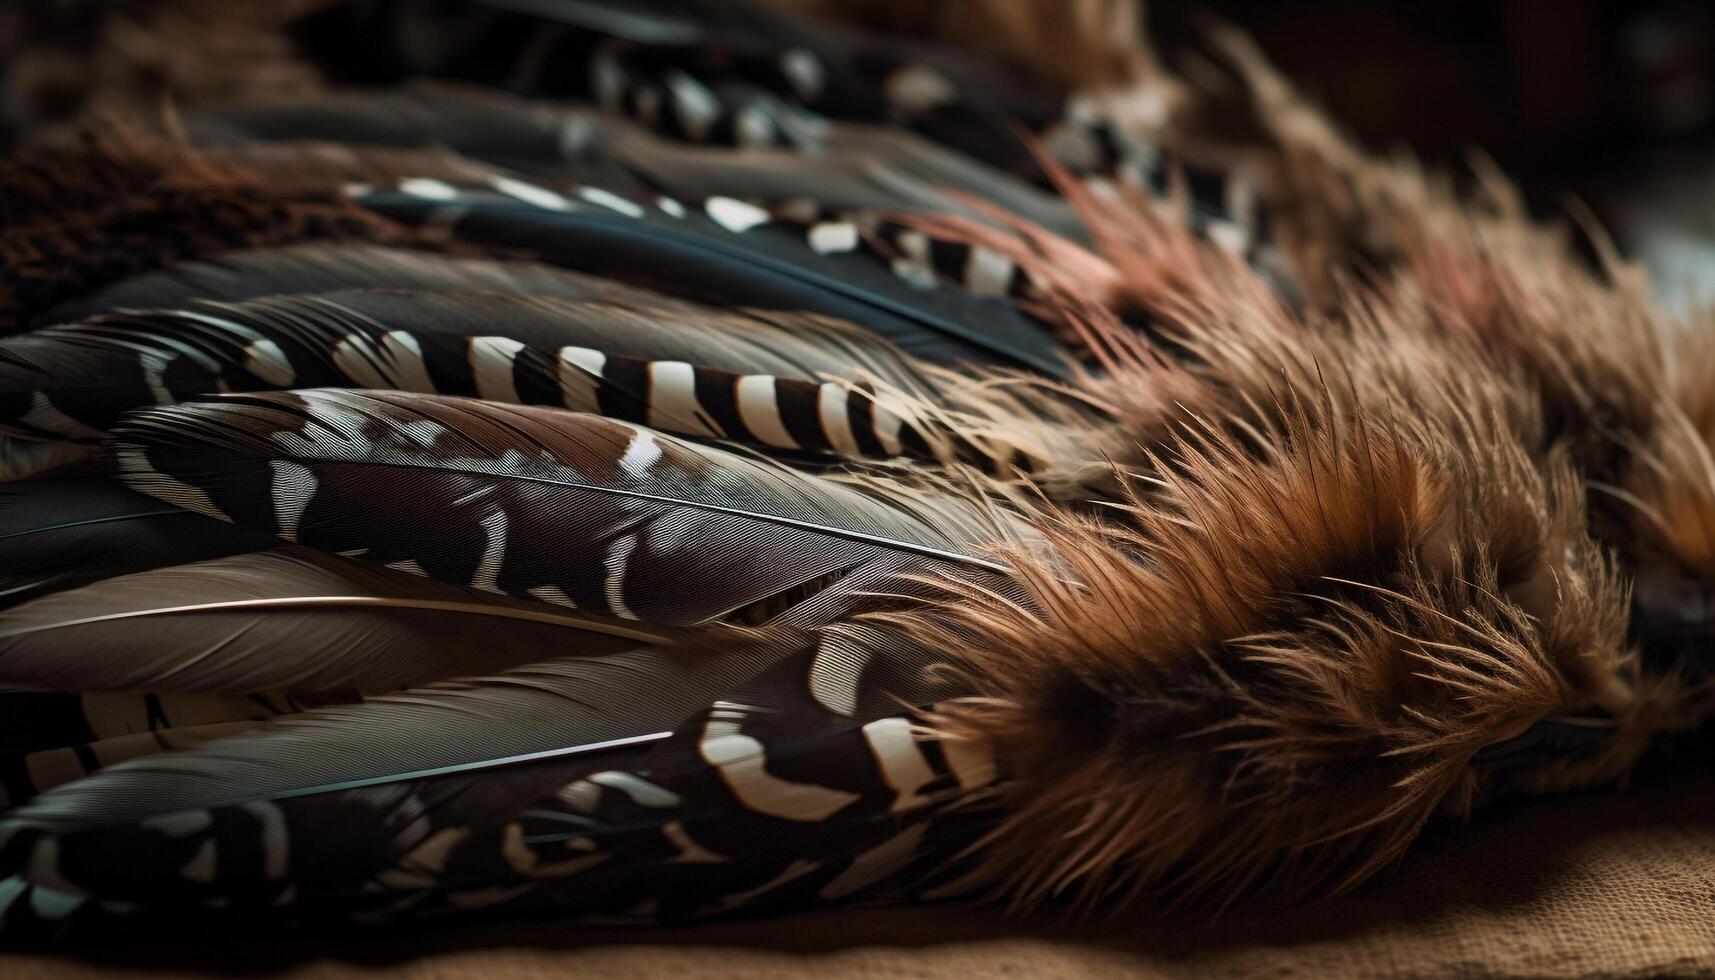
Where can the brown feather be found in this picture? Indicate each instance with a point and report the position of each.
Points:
(1283, 663)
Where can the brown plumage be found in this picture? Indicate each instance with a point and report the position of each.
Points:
(1359, 583)
(78, 218)
(884, 525)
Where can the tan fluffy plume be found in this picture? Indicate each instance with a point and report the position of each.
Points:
(1285, 658)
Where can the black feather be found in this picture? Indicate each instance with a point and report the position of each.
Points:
(780, 272)
(57, 535)
(532, 502)
(321, 268)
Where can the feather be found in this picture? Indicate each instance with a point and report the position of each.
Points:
(532, 502)
(859, 167)
(692, 824)
(694, 259)
(25, 776)
(703, 374)
(61, 534)
(39, 722)
(474, 124)
(320, 268)
(288, 619)
(156, 203)
(710, 73)
(25, 458)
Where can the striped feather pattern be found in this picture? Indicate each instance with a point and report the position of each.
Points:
(699, 374)
(409, 582)
(660, 832)
(711, 258)
(536, 503)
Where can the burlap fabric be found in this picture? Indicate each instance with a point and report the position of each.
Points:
(1599, 885)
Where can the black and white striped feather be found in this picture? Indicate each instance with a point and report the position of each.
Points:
(756, 379)
(533, 502)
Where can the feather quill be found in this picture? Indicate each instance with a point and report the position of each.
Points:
(286, 618)
(532, 502)
(700, 259)
(688, 371)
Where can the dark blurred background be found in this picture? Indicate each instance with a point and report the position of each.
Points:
(1609, 101)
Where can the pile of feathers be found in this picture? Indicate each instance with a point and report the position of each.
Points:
(650, 460)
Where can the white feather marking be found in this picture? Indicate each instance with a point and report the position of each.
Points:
(491, 362)
(580, 797)
(914, 273)
(613, 588)
(829, 237)
(429, 188)
(900, 761)
(972, 762)
(915, 244)
(753, 127)
(611, 201)
(735, 215)
(987, 272)
(641, 453)
(139, 474)
(673, 401)
(914, 266)
(916, 88)
(487, 574)
(553, 594)
(741, 760)
(1230, 237)
(804, 72)
(293, 486)
(580, 377)
(834, 674)
(152, 366)
(541, 197)
(640, 790)
(395, 362)
(697, 106)
(266, 361)
(889, 412)
(423, 432)
(672, 207)
(759, 410)
(836, 422)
